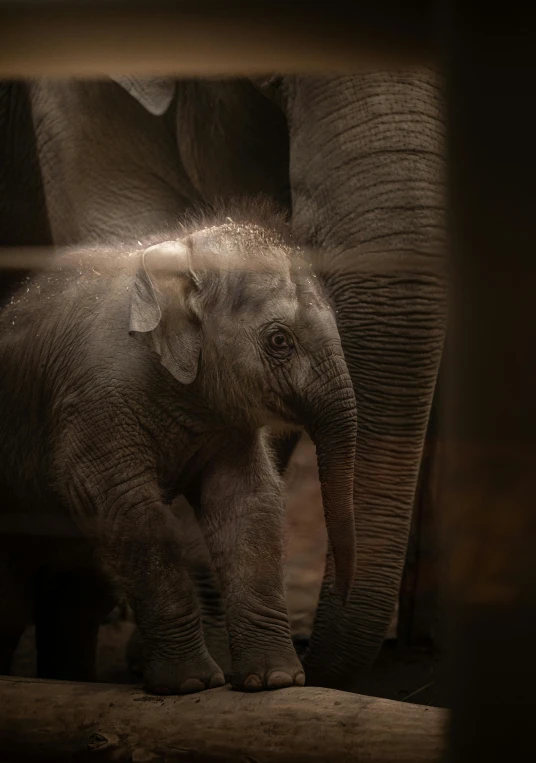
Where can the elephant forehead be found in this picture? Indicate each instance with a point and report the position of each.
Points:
(262, 291)
(319, 319)
(274, 291)
(308, 293)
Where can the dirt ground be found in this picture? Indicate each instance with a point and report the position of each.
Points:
(397, 674)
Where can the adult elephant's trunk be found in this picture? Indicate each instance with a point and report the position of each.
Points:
(367, 168)
(333, 430)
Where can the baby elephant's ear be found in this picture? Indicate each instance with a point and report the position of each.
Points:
(145, 312)
(160, 308)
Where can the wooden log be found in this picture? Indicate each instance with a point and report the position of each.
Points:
(59, 721)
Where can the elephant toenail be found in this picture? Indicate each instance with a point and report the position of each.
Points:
(216, 680)
(278, 680)
(299, 679)
(191, 685)
(252, 683)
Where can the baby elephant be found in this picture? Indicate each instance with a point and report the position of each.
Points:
(128, 378)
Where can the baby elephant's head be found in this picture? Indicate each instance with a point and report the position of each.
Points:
(236, 312)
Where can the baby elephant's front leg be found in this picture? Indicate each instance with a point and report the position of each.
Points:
(241, 510)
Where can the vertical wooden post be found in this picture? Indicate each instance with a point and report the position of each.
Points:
(491, 501)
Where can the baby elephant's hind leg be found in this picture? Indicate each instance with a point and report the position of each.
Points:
(207, 587)
(175, 657)
(199, 567)
(69, 609)
(15, 609)
(136, 545)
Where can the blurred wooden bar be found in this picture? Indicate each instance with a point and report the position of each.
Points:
(490, 524)
(92, 38)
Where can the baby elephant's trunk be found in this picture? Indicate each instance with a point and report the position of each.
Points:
(333, 428)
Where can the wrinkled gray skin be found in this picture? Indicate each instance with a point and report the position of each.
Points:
(128, 378)
(198, 562)
(359, 160)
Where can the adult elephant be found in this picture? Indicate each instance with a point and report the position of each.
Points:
(359, 162)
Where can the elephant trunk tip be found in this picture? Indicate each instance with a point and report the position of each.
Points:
(341, 591)
(342, 586)
(339, 516)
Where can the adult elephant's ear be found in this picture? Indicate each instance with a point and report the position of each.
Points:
(154, 94)
(162, 308)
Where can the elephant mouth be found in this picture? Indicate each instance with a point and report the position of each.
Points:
(281, 415)
(281, 422)
(287, 414)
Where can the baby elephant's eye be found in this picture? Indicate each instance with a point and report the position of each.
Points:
(279, 342)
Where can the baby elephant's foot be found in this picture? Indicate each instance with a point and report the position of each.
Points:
(165, 676)
(268, 671)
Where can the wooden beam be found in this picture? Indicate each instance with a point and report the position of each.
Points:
(60, 721)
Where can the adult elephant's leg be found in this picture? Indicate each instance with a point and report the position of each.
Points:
(367, 166)
(111, 170)
(23, 215)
